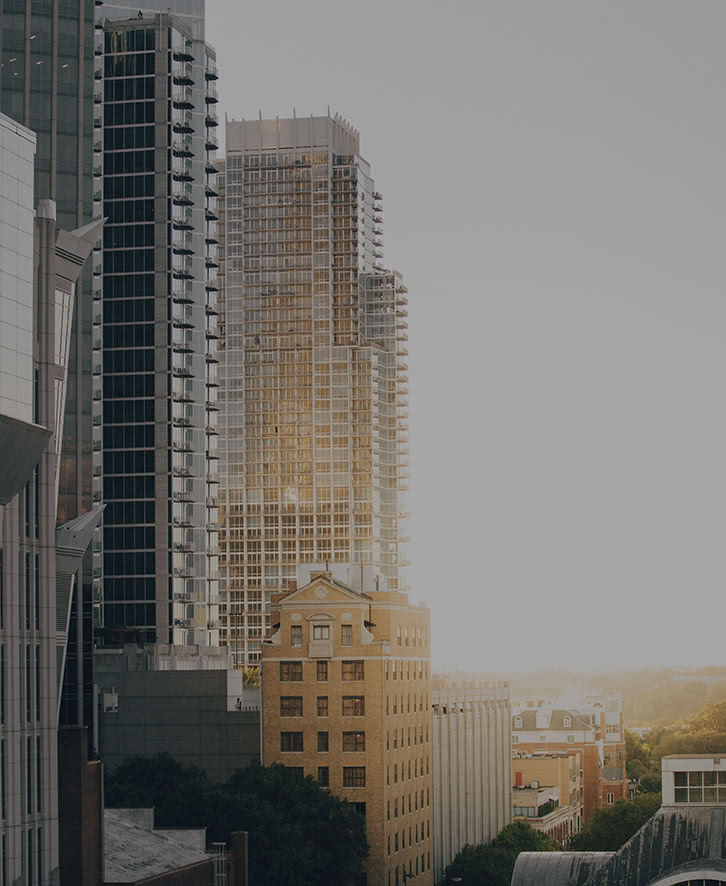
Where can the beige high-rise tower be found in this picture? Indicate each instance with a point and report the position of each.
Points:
(313, 372)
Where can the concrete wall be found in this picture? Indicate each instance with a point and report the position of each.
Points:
(472, 768)
(182, 712)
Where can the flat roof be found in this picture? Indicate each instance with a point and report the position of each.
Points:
(695, 757)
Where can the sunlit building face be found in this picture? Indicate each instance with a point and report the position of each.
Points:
(313, 371)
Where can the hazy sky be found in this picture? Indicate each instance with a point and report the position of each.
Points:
(554, 190)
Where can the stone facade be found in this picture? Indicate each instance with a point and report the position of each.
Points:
(345, 695)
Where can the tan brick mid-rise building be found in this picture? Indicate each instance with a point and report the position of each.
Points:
(559, 769)
(346, 699)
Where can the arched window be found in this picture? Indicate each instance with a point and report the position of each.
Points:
(517, 722)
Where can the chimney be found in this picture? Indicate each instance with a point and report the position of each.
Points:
(291, 585)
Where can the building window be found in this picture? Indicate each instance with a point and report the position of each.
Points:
(354, 776)
(700, 787)
(346, 635)
(324, 776)
(322, 706)
(567, 722)
(571, 739)
(515, 739)
(296, 635)
(611, 798)
(291, 671)
(360, 808)
(321, 671)
(322, 742)
(517, 722)
(321, 632)
(291, 706)
(291, 742)
(353, 670)
(354, 741)
(354, 705)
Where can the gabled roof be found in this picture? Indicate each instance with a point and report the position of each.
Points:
(331, 583)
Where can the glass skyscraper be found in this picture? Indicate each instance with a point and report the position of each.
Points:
(155, 434)
(314, 377)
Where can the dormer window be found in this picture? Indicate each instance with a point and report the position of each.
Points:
(568, 722)
(517, 722)
(321, 632)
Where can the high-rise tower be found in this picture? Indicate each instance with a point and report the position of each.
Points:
(46, 55)
(38, 279)
(313, 372)
(157, 353)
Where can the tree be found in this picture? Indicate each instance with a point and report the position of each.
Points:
(299, 833)
(251, 676)
(710, 719)
(491, 864)
(612, 826)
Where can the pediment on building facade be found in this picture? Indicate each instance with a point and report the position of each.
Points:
(323, 591)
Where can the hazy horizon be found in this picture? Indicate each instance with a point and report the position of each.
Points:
(554, 195)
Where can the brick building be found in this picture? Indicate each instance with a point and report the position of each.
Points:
(592, 725)
(345, 698)
(561, 770)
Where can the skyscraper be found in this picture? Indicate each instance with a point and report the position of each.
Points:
(157, 353)
(314, 385)
(46, 50)
(40, 267)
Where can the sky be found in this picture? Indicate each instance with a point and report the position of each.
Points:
(554, 191)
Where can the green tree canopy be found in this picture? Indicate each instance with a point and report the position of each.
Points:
(612, 826)
(491, 864)
(299, 833)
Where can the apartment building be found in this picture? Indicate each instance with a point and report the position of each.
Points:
(313, 374)
(590, 720)
(346, 700)
(558, 772)
(155, 363)
(472, 779)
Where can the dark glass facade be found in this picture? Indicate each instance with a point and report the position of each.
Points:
(128, 333)
(158, 336)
